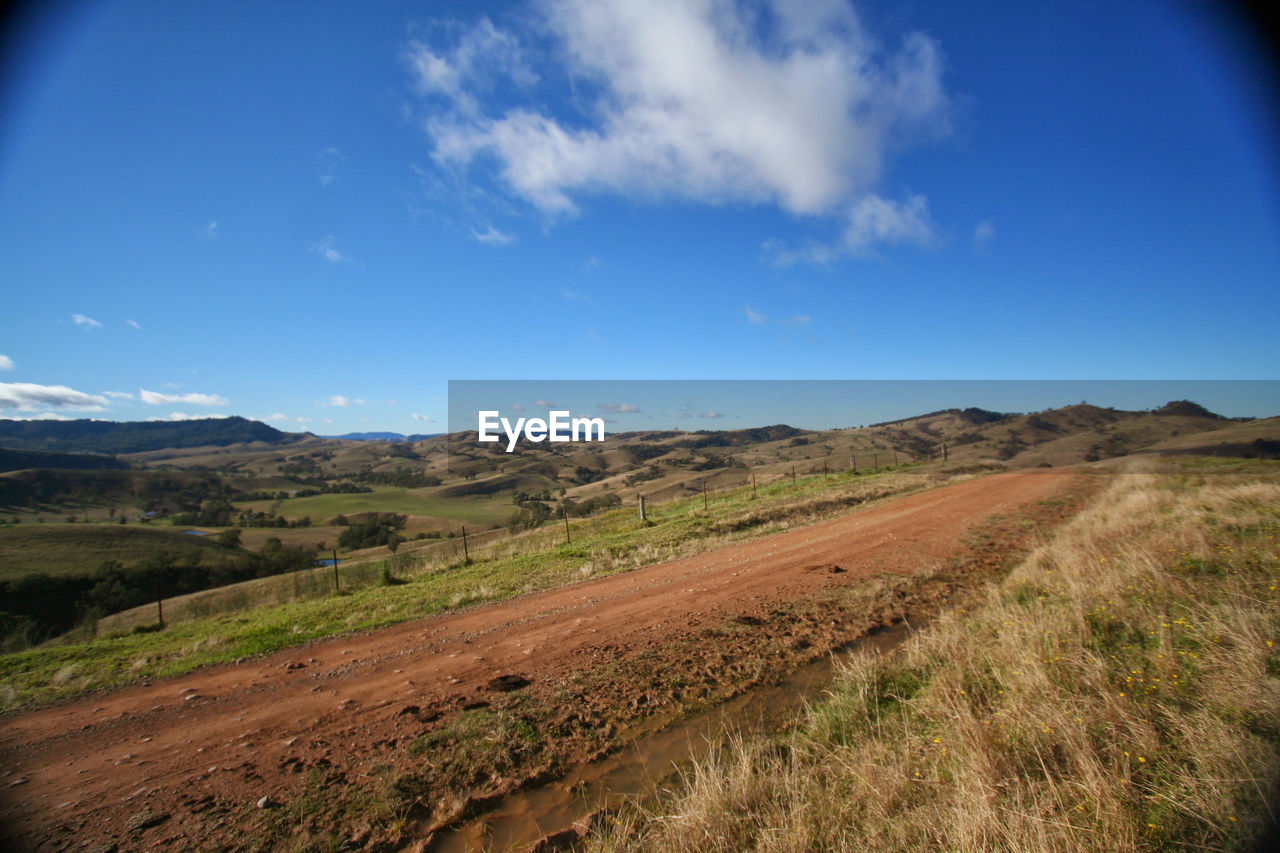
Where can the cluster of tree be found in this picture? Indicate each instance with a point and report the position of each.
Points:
(712, 461)
(653, 472)
(40, 606)
(376, 529)
(267, 519)
(529, 514)
(213, 513)
(403, 479)
(590, 506)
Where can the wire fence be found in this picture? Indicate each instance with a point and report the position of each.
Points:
(417, 557)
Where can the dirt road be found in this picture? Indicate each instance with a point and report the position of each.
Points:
(144, 765)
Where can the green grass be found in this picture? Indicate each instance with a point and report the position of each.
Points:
(59, 548)
(490, 510)
(1118, 690)
(607, 544)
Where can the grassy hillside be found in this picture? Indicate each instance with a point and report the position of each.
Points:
(277, 612)
(1120, 690)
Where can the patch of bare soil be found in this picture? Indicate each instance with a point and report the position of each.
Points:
(375, 740)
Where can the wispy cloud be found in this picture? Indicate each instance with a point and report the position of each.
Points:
(516, 407)
(426, 419)
(210, 231)
(546, 404)
(754, 317)
(711, 415)
(983, 234)
(492, 237)
(118, 395)
(156, 398)
(872, 221)
(797, 320)
(187, 416)
(330, 158)
(324, 248)
(6, 363)
(278, 416)
(26, 396)
(341, 402)
(88, 323)
(618, 408)
(134, 325)
(795, 105)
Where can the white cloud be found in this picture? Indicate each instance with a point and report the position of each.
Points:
(711, 415)
(618, 408)
(155, 398)
(799, 320)
(210, 231)
(186, 416)
(329, 158)
(278, 416)
(546, 404)
(118, 395)
(423, 418)
(340, 402)
(87, 322)
(755, 318)
(984, 233)
(324, 248)
(6, 363)
(26, 396)
(870, 221)
(516, 407)
(134, 324)
(38, 416)
(794, 104)
(492, 237)
(484, 58)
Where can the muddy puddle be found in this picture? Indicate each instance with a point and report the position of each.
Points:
(635, 771)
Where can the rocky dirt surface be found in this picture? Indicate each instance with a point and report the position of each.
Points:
(372, 741)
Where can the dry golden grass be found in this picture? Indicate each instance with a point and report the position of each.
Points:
(1119, 690)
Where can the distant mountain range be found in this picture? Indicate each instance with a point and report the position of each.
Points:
(382, 436)
(111, 437)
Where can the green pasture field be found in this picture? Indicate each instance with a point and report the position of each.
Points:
(424, 502)
(59, 548)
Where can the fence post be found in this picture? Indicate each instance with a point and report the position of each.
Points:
(336, 587)
(643, 517)
(753, 484)
(704, 495)
(466, 555)
(793, 475)
(565, 510)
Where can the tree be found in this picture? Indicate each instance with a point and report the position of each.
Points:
(230, 538)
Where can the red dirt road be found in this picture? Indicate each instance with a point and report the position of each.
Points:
(99, 768)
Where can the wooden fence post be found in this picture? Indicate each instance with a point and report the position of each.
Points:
(643, 517)
(565, 510)
(336, 587)
(466, 554)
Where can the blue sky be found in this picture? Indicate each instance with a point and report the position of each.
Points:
(318, 214)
